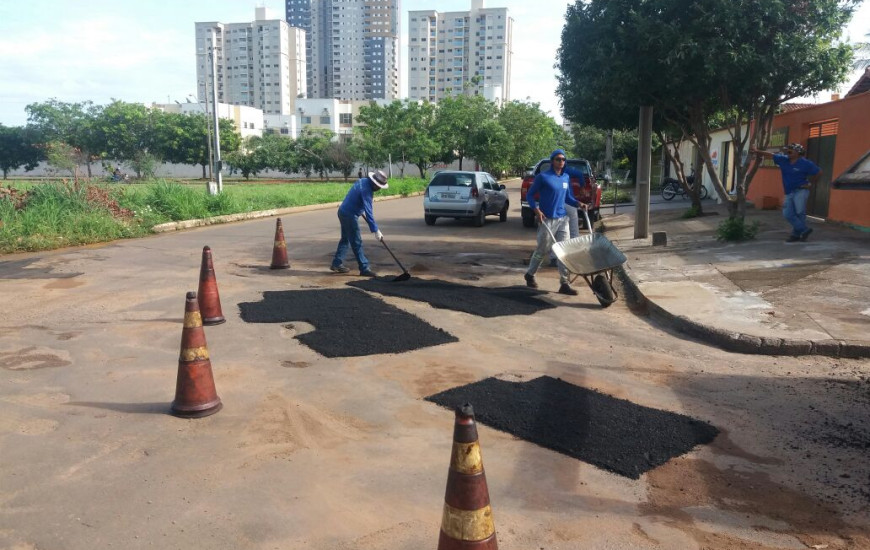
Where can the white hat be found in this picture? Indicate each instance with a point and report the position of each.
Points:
(379, 178)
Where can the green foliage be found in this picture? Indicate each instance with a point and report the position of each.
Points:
(17, 149)
(532, 133)
(58, 215)
(455, 121)
(693, 212)
(622, 196)
(736, 230)
(62, 157)
(746, 59)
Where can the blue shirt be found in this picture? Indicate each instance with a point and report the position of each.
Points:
(359, 200)
(794, 175)
(553, 192)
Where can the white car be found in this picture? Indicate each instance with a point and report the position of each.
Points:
(456, 194)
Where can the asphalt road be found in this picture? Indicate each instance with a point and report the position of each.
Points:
(345, 453)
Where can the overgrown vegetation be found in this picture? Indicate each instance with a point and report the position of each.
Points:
(622, 196)
(737, 230)
(64, 213)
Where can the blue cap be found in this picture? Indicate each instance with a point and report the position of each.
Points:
(557, 152)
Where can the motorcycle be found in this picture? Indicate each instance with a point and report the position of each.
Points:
(672, 187)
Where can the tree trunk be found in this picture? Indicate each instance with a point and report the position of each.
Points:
(88, 164)
(203, 172)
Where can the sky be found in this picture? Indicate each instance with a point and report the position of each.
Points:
(143, 50)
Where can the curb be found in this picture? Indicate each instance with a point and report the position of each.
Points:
(740, 342)
(202, 222)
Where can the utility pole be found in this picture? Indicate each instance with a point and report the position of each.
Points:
(644, 162)
(214, 103)
(608, 165)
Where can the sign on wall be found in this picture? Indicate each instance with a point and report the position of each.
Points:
(778, 140)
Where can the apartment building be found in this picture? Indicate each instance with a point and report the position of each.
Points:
(352, 47)
(461, 52)
(260, 64)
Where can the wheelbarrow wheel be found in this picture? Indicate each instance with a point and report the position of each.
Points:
(602, 290)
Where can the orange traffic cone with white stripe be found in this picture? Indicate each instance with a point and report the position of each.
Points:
(466, 523)
(279, 251)
(209, 299)
(195, 394)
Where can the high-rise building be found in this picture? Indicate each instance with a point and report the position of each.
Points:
(352, 47)
(460, 52)
(261, 63)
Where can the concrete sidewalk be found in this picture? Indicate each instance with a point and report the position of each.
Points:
(763, 296)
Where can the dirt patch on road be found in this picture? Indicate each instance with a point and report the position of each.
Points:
(684, 484)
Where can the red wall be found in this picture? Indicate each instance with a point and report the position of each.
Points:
(853, 142)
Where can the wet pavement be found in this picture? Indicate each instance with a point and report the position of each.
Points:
(760, 296)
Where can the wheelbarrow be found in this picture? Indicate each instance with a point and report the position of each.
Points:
(592, 257)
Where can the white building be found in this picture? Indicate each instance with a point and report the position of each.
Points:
(260, 64)
(451, 53)
(248, 120)
(352, 47)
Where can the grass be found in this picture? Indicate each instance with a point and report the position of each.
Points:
(59, 213)
(622, 196)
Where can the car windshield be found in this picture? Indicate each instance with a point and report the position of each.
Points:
(443, 180)
(574, 165)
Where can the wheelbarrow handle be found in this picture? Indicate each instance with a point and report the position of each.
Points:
(588, 225)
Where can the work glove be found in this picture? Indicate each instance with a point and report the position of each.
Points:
(379, 235)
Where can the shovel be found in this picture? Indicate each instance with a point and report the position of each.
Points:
(399, 278)
(405, 275)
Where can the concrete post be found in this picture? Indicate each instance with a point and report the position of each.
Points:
(214, 103)
(644, 165)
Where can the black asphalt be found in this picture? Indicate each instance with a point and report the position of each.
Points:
(613, 434)
(348, 322)
(480, 301)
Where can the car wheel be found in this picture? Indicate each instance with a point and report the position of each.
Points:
(480, 218)
(502, 216)
(430, 220)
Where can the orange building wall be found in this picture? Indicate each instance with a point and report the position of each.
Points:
(853, 141)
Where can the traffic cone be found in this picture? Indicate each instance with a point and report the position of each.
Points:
(467, 519)
(279, 252)
(195, 394)
(209, 299)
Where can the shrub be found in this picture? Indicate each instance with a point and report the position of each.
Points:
(692, 212)
(736, 230)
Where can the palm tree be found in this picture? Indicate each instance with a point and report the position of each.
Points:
(862, 54)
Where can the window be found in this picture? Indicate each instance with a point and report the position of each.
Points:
(325, 120)
(346, 118)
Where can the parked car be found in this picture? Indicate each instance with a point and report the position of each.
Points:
(455, 194)
(587, 191)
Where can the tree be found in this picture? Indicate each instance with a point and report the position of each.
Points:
(421, 147)
(310, 150)
(490, 146)
(862, 54)
(368, 143)
(339, 155)
(17, 149)
(69, 123)
(531, 133)
(455, 120)
(590, 143)
(745, 60)
(127, 130)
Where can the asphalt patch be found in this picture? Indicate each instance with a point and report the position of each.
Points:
(614, 434)
(480, 301)
(349, 323)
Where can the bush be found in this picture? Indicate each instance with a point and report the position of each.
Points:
(621, 196)
(736, 230)
(692, 212)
